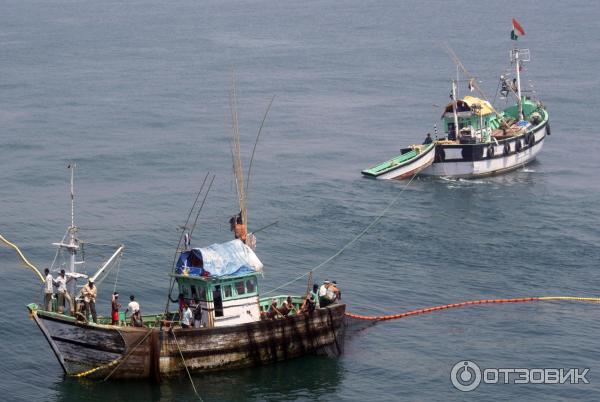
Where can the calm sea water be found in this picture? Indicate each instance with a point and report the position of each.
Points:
(137, 94)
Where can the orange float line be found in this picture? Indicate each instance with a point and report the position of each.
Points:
(456, 305)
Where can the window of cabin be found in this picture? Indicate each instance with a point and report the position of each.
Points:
(227, 291)
(185, 291)
(194, 295)
(250, 286)
(202, 293)
(239, 288)
(218, 301)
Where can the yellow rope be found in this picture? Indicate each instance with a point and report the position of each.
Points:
(122, 359)
(108, 365)
(88, 372)
(25, 261)
(572, 298)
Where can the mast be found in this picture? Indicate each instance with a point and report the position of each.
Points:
(518, 74)
(457, 82)
(519, 56)
(73, 245)
(454, 107)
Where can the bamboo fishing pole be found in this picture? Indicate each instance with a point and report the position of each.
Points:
(256, 143)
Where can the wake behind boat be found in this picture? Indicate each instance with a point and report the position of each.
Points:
(480, 140)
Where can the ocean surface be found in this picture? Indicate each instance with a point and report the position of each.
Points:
(137, 94)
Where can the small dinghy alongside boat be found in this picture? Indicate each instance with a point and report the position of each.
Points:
(410, 161)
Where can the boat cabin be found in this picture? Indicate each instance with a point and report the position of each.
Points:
(476, 120)
(223, 280)
(228, 300)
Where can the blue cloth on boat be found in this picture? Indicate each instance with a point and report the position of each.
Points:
(216, 260)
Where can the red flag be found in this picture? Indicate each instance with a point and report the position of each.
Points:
(517, 30)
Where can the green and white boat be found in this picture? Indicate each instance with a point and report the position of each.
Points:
(479, 140)
(411, 161)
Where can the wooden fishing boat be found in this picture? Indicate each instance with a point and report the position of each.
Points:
(481, 140)
(411, 161)
(163, 348)
(233, 327)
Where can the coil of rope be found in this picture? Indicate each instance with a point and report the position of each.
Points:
(470, 303)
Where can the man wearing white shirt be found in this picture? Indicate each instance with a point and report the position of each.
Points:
(63, 294)
(133, 306)
(48, 289)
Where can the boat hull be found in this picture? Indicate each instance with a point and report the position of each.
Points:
(469, 161)
(154, 353)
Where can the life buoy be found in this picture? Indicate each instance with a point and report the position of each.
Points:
(490, 151)
(518, 145)
(506, 149)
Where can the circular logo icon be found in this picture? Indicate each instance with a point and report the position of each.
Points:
(465, 376)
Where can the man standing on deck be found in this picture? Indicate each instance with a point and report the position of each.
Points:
(114, 309)
(48, 290)
(237, 227)
(428, 139)
(89, 293)
(323, 294)
(186, 318)
(63, 294)
(133, 306)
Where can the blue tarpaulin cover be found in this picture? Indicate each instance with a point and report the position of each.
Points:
(216, 260)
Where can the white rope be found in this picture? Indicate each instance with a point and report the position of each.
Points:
(117, 274)
(361, 234)
(186, 367)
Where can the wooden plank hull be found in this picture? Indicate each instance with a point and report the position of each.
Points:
(153, 352)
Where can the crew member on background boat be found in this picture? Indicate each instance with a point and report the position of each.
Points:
(186, 318)
(323, 293)
(48, 289)
(428, 139)
(89, 292)
(238, 227)
(63, 294)
(114, 308)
